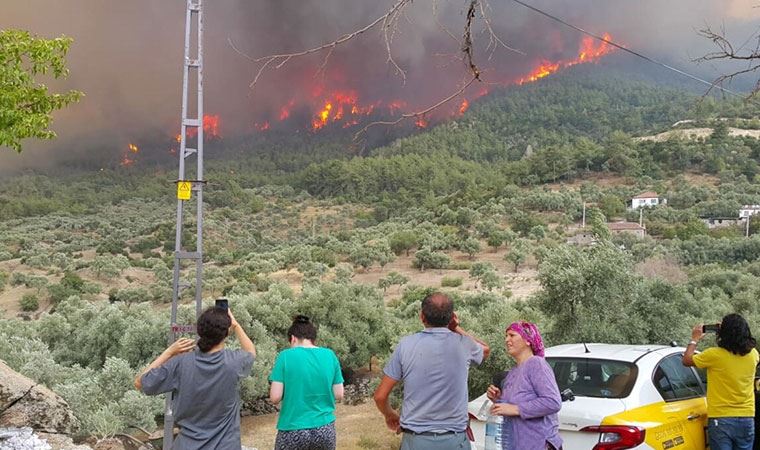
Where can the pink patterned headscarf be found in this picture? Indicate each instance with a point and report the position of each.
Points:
(529, 332)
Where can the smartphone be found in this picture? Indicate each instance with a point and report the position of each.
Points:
(711, 328)
(222, 303)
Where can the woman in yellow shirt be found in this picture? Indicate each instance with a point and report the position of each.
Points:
(730, 383)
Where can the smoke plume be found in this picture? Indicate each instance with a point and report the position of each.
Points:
(127, 57)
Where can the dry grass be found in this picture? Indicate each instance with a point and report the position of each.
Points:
(696, 133)
(664, 267)
(358, 427)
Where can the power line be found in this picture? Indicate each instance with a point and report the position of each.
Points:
(635, 53)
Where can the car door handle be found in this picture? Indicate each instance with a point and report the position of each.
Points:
(693, 416)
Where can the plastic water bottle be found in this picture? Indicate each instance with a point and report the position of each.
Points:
(493, 427)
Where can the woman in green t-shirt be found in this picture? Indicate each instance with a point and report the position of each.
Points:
(307, 380)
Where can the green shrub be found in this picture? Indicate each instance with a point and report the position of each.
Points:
(29, 302)
(451, 282)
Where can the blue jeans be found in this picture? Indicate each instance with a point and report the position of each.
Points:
(452, 441)
(731, 433)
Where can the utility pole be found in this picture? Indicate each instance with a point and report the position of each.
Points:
(583, 220)
(192, 123)
(746, 230)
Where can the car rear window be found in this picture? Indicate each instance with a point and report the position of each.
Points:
(594, 377)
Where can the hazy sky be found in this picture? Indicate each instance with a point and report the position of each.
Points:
(127, 55)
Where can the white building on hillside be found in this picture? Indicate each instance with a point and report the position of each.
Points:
(646, 199)
(748, 210)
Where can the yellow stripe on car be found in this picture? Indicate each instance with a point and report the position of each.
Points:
(669, 425)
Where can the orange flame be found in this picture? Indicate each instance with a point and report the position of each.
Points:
(211, 126)
(322, 116)
(210, 129)
(285, 110)
(344, 106)
(463, 107)
(261, 126)
(589, 51)
(126, 158)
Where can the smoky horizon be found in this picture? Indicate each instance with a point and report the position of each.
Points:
(127, 59)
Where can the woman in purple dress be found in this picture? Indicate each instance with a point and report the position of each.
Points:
(528, 398)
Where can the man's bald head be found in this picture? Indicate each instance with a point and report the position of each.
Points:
(437, 309)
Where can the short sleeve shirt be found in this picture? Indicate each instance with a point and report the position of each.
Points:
(434, 365)
(206, 401)
(730, 382)
(307, 375)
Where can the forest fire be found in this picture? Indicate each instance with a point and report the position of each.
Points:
(210, 129)
(463, 106)
(346, 108)
(590, 51)
(127, 158)
(339, 106)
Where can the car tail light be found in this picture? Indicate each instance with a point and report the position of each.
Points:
(617, 437)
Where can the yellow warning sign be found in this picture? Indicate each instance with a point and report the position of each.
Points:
(184, 190)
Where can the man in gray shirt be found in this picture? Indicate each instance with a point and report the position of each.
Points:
(433, 365)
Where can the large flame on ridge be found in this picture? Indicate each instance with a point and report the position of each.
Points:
(337, 106)
(344, 106)
(590, 51)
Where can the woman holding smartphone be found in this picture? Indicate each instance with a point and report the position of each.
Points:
(307, 380)
(730, 382)
(204, 381)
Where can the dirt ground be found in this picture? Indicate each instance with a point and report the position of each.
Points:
(697, 133)
(358, 427)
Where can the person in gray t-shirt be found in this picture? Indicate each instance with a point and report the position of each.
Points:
(206, 401)
(433, 365)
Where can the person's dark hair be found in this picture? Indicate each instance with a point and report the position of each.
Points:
(302, 328)
(437, 309)
(734, 335)
(213, 326)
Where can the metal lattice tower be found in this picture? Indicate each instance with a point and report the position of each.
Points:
(192, 124)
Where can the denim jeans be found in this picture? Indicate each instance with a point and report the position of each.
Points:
(453, 441)
(731, 433)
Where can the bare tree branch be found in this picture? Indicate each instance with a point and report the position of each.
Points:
(726, 51)
(388, 18)
(416, 114)
(467, 47)
(389, 26)
(441, 25)
(494, 39)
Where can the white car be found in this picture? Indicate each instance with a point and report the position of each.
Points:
(625, 397)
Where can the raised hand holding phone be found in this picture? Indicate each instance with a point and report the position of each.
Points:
(711, 328)
(222, 303)
(454, 322)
